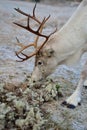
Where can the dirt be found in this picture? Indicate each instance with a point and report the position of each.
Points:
(15, 76)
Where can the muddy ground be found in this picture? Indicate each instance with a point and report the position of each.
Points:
(19, 110)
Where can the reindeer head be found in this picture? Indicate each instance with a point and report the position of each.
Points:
(45, 61)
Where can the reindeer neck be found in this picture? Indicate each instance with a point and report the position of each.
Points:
(72, 36)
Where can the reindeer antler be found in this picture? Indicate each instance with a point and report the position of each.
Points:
(37, 32)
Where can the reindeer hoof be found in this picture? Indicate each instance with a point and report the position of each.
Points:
(71, 106)
(68, 105)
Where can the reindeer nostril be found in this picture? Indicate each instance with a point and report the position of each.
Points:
(34, 81)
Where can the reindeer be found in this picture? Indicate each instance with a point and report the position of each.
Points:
(65, 46)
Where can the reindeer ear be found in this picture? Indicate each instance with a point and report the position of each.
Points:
(49, 52)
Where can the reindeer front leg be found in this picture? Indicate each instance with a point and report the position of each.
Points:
(75, 98)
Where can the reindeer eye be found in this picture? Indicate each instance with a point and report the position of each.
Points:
(40, 63)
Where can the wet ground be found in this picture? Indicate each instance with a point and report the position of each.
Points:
(13, 73)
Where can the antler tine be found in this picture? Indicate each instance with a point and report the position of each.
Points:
(34, 9)
(43, 22)
(31, 16)
(26, 57)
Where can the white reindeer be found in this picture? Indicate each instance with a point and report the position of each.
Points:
(65, 46)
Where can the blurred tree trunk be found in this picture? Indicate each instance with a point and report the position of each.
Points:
(35, 0)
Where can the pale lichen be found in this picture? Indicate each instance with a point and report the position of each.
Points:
(33, 120)
(21, 108)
